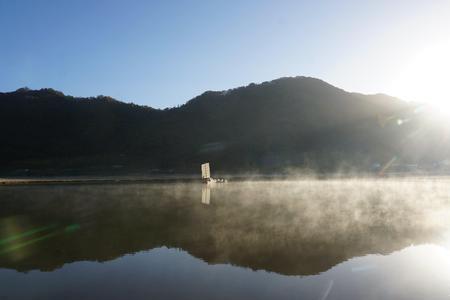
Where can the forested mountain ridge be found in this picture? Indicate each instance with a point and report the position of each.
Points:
(295, 122)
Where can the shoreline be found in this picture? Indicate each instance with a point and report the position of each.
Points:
(93, 180)
(185, 178)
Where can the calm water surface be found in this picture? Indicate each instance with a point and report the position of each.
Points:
(335, 239)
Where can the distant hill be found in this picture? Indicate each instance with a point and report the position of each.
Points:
(298, 122)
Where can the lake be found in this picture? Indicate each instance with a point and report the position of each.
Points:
(305, 239)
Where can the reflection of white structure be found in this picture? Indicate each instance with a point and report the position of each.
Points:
(206, 195)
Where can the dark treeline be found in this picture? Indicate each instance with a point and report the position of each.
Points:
(286, 123)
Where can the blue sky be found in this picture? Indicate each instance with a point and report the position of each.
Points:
(163, 53)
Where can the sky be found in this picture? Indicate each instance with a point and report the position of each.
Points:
(163, 53)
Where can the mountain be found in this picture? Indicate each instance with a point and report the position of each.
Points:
(297, 122)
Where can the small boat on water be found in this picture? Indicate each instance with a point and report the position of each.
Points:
(206, 175)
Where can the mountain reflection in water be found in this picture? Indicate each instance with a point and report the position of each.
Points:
(289, 228)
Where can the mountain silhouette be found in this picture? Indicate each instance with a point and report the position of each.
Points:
(295, 122)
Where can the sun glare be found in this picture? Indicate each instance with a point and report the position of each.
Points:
(426, 78)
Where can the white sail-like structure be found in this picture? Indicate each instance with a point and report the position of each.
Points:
(206, 173)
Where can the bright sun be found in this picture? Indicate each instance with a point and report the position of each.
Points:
(426, 78)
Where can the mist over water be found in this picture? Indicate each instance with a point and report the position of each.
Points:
(307, 239)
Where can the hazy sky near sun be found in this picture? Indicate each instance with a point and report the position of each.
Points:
(163, 53)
